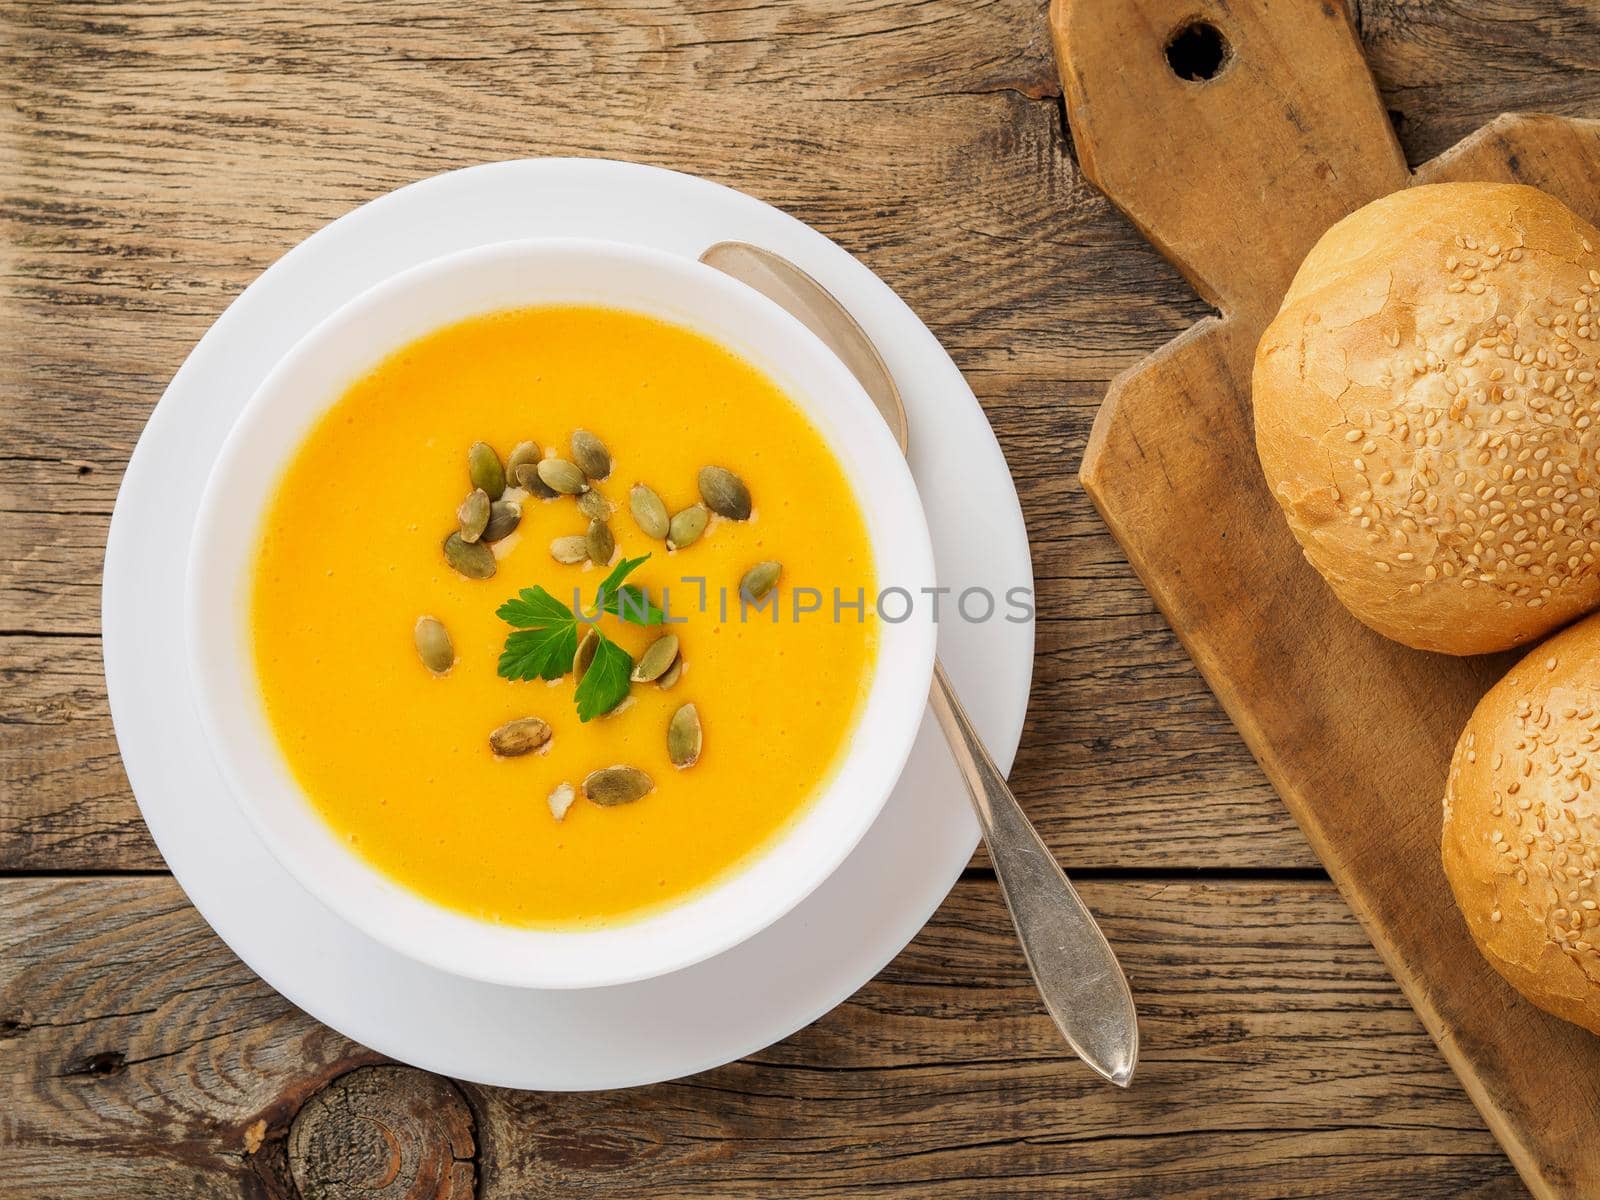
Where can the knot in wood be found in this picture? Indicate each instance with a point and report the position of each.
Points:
(384, 1133)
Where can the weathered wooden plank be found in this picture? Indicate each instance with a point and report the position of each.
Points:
(50, 571)
(138, 1058)
(64, 800)
(1447, 69)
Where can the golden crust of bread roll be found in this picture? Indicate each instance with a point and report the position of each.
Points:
(1426, 412)
(1521, 841)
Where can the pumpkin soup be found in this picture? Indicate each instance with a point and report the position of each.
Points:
(522, 614)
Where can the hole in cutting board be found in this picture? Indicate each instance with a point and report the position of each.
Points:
(1197, 51)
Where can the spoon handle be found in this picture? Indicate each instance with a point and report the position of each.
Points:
(1073, 964)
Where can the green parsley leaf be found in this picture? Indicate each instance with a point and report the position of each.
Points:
(543, 645)
(628, 602)
(605, 684)
(546, 636)
(539, 653)
(533, 608)
(632, 604)
(614, 580)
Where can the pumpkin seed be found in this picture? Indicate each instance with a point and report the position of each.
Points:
(519, 737)
(585, 654)
(527, 478)
(504, 517)
(472, 559)
(671, 675)
(684, 737)
(433, 645)
(562, 476)
(759, 581)
(648, 511)
(617, 785)
(602, 545)
(591, 455)
(561, 799)
(473, 515)
(595, 506)
(485, 471)
(657, 657)
(725, 493)
(523, 454)
(687, 526)
(522, 469)
(571, 549)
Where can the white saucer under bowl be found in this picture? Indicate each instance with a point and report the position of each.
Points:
(697, 1018)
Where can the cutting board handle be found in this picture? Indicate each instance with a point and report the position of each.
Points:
(1231, 132)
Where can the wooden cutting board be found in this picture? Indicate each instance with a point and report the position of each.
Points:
(1233, 173)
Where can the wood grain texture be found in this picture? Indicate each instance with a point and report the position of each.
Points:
(142, 1060)
(1355, 731)
(384, 1132)
(1446, 70)
(64, 801)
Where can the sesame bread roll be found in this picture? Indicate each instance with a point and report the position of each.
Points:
(1521, 841)
(1425, 408)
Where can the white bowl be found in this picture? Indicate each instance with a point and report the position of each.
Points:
(315, 374)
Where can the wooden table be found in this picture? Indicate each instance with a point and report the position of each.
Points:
(155, 155)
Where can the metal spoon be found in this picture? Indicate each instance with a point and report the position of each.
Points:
(1073, 964)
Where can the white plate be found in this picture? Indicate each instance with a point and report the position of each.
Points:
(719, 1010)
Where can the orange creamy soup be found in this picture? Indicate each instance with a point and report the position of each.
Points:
(397, 759)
